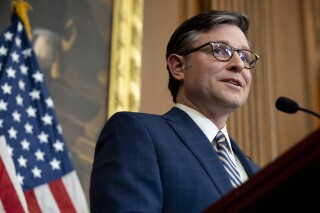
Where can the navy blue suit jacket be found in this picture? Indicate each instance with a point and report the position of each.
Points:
(152, 163)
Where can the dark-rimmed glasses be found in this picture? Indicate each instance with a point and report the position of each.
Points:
(223, 52)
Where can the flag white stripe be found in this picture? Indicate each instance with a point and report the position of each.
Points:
(74, 189)
(45, 199)
(8, 163)
(1, 208)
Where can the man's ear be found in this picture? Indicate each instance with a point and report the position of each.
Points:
(177, 65)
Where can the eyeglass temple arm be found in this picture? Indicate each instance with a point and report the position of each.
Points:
(195, 49)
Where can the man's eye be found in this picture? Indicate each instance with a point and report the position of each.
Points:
(219, 51)
(244, 56)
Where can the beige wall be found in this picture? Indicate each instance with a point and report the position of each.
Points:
(284, 34)
(160, 20)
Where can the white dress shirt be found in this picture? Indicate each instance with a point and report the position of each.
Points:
(211, 130)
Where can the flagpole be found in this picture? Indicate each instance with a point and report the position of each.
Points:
(21, 8)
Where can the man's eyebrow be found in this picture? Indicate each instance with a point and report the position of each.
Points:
(226, 42)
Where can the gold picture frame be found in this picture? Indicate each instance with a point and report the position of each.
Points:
(126, 51)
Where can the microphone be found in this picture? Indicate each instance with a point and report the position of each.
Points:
(290, 106)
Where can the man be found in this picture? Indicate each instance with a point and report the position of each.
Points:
(172, 163)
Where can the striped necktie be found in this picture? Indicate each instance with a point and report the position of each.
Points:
(222, 151)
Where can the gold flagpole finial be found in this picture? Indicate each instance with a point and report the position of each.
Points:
(21, 8)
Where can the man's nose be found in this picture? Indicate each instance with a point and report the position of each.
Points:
(235, 63)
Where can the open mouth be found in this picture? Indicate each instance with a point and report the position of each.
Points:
(233, 82)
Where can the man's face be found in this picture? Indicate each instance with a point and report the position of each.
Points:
(210, 84)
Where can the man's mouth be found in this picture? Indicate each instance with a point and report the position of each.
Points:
(234, 82)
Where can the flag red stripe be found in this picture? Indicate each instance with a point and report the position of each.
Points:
(8, 195)
(32, 202)
(61, 196)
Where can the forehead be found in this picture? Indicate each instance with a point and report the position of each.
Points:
(227, 33)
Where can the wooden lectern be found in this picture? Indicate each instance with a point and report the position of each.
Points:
(289, 184)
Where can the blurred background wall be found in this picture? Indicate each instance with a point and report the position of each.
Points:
(286, 36)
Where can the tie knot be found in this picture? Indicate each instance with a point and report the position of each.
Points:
(221, 141)
(220, 137)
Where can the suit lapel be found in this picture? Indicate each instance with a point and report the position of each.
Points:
(250, 168)
(198, 144)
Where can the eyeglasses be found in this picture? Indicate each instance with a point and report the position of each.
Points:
(223, 52)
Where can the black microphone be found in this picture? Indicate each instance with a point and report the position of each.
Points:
(290, 106)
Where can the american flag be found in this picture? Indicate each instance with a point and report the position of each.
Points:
(36, 171)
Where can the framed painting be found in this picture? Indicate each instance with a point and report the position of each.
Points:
(90, 54)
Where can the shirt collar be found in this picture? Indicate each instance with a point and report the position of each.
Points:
(205, 124)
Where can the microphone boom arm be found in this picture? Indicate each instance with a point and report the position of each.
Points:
(309, 111)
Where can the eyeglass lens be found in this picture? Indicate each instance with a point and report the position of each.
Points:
(224, 52)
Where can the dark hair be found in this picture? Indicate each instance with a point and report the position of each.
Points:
(189, 31)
